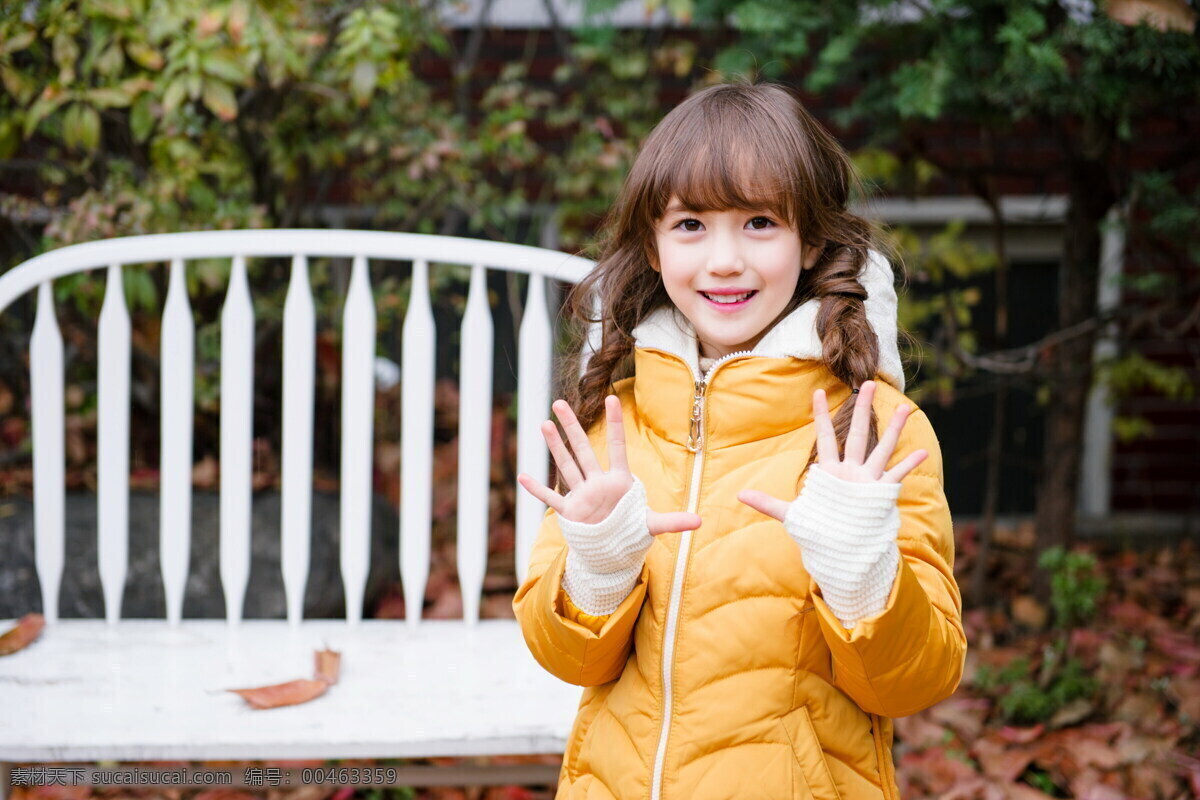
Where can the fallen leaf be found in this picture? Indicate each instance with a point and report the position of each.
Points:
(1073, 712)
(1029, 612)
(282, 694)
(1015, 735)
(328, 664)
(21, 634)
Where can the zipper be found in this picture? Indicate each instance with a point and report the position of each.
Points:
(695, 444)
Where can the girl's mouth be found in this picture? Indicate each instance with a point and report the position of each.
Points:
(728, 303)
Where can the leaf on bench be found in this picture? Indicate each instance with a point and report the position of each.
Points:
(282, 694)
(328, 665)
(25, 631)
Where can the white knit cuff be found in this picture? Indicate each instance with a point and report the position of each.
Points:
(847, 537)
(604, 559)
(597, 593)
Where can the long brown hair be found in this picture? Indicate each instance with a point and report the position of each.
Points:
(743, 146)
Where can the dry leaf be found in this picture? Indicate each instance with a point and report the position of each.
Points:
(1166, 15)
(328, 664)
(282, 694)
(21, 634)
(1029, 612)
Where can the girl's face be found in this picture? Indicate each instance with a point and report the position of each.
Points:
(704, 255)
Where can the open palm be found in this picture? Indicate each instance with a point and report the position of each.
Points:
(856, 466)
(594, 493)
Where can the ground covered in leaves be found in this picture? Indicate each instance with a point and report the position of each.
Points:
(1093, 695)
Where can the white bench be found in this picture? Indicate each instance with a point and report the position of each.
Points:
(145, 690)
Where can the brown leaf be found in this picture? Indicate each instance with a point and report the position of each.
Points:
(282, 694)
(999, 761)
(1165, 15)
(1073, 712)
(328, 665)
(1029, 612)
(1015, 735)
(21, 634)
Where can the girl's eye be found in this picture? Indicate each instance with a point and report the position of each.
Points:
(692, 225)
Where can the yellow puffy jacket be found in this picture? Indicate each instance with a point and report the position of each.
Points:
(724, 674)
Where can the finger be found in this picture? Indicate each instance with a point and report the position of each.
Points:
(860, 424)
(887, 443)
(827, 452)
(616, 435)
(897, 473)
(546, 495)
(671, 522)
(562, 457)
(765, 503)
(577, 436)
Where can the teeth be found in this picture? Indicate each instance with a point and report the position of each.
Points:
(727, 298)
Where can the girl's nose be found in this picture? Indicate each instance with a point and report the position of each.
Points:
(725, 256)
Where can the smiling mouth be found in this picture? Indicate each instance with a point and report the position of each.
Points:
(728, 299)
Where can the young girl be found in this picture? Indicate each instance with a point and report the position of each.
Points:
(749, 588)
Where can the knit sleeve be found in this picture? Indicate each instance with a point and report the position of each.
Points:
(847, 537)
(604, 559)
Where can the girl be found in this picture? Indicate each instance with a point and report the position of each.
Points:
(749, 588)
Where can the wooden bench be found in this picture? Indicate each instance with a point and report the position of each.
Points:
(152, 689)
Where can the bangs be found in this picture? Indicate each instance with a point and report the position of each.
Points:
(730, 159)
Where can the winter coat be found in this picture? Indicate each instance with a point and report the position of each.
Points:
(724, 674)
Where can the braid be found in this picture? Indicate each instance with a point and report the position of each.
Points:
(851, 350)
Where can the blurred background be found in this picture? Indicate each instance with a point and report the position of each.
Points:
(1035, 161)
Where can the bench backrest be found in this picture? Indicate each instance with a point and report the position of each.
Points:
(236, 380)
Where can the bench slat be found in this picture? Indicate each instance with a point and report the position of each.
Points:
(358, 414)
(533, 394)
(145, 690)
(177, 364)
(46, 379)
(112, 443)
(474, 443)
(237, 445)
(416, 442)
(299, 368)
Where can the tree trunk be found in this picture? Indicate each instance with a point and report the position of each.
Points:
(1091, 194)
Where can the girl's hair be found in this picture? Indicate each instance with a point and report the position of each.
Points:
(743, 146)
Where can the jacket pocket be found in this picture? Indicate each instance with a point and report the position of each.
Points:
(814, 778)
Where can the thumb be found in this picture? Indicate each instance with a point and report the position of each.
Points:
(672, 522)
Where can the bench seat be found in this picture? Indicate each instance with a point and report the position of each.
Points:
(146, 690)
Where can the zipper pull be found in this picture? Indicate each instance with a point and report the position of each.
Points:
(694, 433)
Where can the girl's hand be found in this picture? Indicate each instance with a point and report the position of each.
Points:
(593, 492)
(853, 467)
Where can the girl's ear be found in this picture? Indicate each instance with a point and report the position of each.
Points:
(812, 254)
(652, 257)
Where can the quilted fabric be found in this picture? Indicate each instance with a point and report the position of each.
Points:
(771, 697)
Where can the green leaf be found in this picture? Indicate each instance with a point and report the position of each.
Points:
(89, 128)
(10, 136)
(66, 52)
(224, 67)
(17, 43)
(141, 117)
(173, 97)
(363, 80)
(220, 100)
(44, 106)
(145, 55)
(108, 97)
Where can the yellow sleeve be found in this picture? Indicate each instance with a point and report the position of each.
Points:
(910, 655)
(574, 613)
(572, 645)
